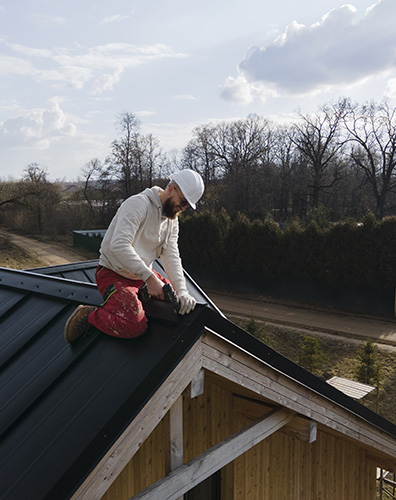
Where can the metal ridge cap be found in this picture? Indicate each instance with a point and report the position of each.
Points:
(50, 285)
(209, 301)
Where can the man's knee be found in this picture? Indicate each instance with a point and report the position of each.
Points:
(137, 329)
(121, 325)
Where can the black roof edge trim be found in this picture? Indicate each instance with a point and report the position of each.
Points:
(258, 349)
(191, 279)
(203, 293)
(86, 293)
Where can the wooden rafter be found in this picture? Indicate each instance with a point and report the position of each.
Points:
(201, 467)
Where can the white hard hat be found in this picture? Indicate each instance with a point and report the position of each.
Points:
(191, 184)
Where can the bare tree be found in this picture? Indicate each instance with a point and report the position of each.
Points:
(92, 170)
(169, 162)
(153, 158)
(200, 154)
(122, 160)
(318, 139)
(134, 158)
(236, 156)
(249, 166)
(12, 193)
(292, 172)
(372, 129)
(42, 195)
(100, 192)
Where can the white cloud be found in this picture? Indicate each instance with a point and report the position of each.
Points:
(113, 19)
(10, 65)
(186, 97)
(37, 128)
(390, 91)
(144, 113)
(101, 66)
(106, 82)
(170, 135)
(342, 48)
(240, 90)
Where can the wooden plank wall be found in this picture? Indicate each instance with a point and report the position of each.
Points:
(149, 464)
(280, 468)
(285, 468)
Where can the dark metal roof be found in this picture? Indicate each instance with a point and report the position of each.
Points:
(77, 271)
(85, 272)
(63, 406)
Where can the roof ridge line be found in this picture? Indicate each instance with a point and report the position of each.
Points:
(50, 285)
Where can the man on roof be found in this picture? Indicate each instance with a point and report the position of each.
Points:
(144, 228)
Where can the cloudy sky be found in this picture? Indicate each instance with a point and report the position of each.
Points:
(68, 68)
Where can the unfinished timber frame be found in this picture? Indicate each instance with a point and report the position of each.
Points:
(222, 409)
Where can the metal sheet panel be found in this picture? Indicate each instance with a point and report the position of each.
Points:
(63, 405)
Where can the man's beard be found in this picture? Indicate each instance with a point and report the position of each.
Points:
(169, 209)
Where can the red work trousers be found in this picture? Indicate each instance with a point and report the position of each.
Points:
(121, 314)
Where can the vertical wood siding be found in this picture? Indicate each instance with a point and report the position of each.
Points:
(279, 468)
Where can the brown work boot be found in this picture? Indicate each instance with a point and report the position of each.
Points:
(77, 324)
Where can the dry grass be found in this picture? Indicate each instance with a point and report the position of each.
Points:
(14, 257)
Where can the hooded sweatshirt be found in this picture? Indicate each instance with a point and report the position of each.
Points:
(139, 234)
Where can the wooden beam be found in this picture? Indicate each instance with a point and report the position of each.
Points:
(201, 467)
(197, 386)
(176, 434)
(301, 428)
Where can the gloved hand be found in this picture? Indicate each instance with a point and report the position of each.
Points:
(187, 303)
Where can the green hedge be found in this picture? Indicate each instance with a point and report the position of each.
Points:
(346, 254)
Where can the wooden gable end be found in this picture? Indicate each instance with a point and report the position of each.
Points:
(268, 436)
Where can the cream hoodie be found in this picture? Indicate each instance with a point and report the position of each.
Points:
(139, 234)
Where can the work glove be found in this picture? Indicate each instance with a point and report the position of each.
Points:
(187, 303)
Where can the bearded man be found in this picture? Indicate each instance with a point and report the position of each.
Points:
(144, 228)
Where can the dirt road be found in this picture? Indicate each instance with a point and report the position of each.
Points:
(50, 255)
(334, 323)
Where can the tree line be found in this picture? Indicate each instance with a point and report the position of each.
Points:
(339, 160)
(342, 157)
